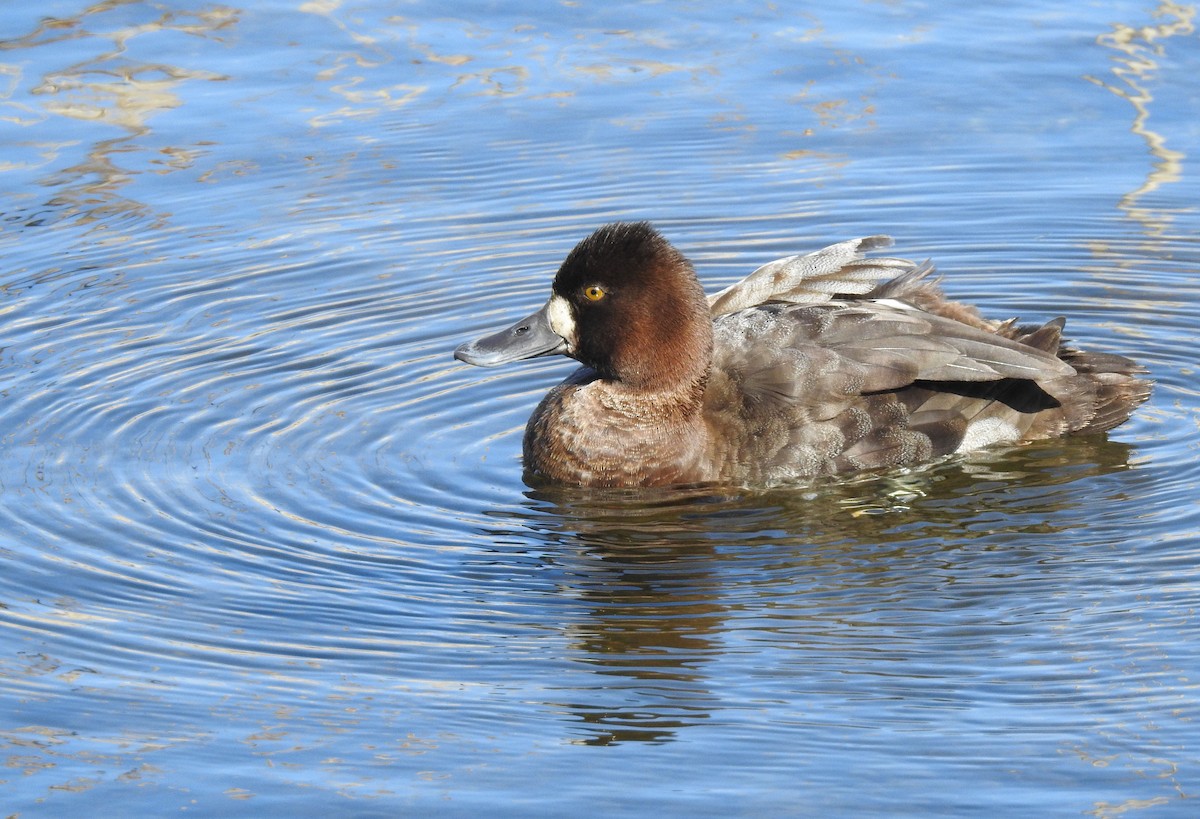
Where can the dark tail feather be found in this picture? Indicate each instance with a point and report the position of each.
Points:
(1118, 389)
(1047, 338)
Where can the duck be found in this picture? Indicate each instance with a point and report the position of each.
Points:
(816, 364)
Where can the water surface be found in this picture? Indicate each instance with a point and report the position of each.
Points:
(264, 545)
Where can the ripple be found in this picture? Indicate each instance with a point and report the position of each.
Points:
(293, 434)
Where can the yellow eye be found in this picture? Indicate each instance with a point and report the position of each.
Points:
(594, 293)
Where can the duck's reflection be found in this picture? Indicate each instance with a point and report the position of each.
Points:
(673, 584)
(653, 615)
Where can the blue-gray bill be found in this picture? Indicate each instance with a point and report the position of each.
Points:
(528, 338)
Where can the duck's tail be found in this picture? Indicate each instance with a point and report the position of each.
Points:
(1104, 392)
(1103, 395)
(1119, 391)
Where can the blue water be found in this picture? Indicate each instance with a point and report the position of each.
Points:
(264, 545)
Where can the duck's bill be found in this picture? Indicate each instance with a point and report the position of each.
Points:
(528, 338)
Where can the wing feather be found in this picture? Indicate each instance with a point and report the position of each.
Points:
(813, 278)
(828, 352)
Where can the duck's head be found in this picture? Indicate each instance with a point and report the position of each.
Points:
(625, 303)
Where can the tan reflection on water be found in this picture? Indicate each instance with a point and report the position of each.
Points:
(363, 98)
(107, 86)
(1140, 49)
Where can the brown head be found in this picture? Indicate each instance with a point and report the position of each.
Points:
(630, 307)
(625, 303)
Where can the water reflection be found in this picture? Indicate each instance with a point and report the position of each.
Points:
(346, 71)
(653, 621)
(670, 584)
(1140, 51)
(103, 82)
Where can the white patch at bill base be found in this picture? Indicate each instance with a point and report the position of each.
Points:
(562, 320)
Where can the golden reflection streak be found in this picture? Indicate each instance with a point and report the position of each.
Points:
(1140, 48)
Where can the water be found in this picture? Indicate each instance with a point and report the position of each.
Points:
(265, 546)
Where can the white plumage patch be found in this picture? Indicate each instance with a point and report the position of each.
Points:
(986, 432)
(896, 305)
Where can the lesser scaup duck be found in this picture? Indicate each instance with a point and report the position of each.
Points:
(811, 365)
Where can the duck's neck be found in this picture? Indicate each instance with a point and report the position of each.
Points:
(601, 432)
(678, 401)
(671, 366)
